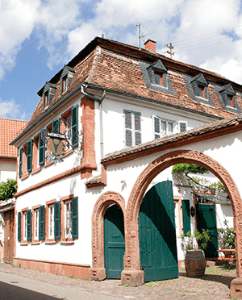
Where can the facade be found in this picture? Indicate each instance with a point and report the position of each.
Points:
(118, 99)
(9, 129)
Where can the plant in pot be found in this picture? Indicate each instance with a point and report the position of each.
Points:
(195, 262)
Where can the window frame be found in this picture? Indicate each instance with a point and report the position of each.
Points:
(179, 124)
(132, 129)
(160, 121)
(50, 238)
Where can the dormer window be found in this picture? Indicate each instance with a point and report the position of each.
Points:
(48, 93)
(228, 95)
(66, 77)
(159, 78)
(200, 86)
(158, 74)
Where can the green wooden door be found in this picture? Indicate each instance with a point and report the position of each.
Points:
(206, 218)
(157, 233)
(114, 245)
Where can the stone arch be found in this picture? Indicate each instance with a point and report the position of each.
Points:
(132, 273)
(98, 272)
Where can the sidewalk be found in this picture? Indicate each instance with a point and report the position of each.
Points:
(213, 285)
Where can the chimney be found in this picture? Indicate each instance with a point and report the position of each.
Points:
(150, 45)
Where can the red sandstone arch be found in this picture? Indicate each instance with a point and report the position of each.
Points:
(132, 273)
(98, 272)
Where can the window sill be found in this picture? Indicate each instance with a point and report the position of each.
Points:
(25, 176)
(37, 170)
(50, 242)
(67, 243)
(35, 243)
(24, 244)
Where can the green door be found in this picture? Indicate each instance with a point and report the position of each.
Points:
(157, 233)
(114, 245)
(206, 218)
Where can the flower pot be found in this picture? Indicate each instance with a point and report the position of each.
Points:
(195, 263)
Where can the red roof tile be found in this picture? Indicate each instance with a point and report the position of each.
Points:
(9, 130)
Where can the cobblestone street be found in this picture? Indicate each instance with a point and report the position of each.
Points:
(214, 285)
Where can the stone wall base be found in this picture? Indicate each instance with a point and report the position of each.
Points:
(236, 288)
(58, 268)
(133, 278)
(97, 274)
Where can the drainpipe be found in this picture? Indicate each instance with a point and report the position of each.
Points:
(83, 86)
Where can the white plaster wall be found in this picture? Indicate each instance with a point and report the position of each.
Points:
(7, 170)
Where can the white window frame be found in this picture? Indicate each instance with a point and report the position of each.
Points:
(132, 129)
(25, 225)
(68, 219)
(179, 125)
(36, 224)
(51, 221)
(166, 130)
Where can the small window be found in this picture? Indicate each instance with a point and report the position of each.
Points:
(68, 219)
(25, 226)
(132, 128)
(64, 84)
(46, 101)
(51, 221)
(182, 126)
(159, 78)
(201, 91)
(36, 224)
(162, 128)
(230, 100)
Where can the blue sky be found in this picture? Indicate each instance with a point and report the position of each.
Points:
(38, 37)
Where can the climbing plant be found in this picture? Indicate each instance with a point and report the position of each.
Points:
(8, 189)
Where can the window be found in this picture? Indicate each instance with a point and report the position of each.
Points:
(162, 128)
(20, 171)
(132, 128)
(47, 93)
(46, 99)
(42, 222)
(230, 100)
(51, 222)
(68, 220)
(36, 224)
(200, 86)
(69, 217)
(182, 126)
(66, 78)
(25, 226)
(159, 78)
(29, 155)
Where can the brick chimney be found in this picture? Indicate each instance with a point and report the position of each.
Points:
(150, 45)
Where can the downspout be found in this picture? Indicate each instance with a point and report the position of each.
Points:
(100, 112)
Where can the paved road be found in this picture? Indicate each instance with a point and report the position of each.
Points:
(214, 285)
(13, 287)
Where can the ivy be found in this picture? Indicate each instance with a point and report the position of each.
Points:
(188, 168)
(8, 189)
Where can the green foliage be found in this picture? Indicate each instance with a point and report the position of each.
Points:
(219, 185)
(8, 189)
(227, 237)
(187, 242)
(188, 168)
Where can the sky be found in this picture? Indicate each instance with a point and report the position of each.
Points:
(38, 37)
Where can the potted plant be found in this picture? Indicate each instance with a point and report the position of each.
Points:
(195, 262)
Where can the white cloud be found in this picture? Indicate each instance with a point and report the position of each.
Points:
(9, 109)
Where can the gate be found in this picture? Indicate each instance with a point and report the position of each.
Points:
(157, 233)
(114, 244)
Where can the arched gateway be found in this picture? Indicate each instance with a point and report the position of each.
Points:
(132, 274)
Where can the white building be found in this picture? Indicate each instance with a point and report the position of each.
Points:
(110, 97)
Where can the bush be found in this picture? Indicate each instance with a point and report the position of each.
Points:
(8, 189)
(227, 237)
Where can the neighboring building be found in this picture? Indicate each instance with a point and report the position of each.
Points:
(148, 96)
(9, 129)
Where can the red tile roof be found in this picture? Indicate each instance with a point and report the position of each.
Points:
(114, 66)
(9, 130)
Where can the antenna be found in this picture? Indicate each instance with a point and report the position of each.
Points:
(141, 35)
(171, 48)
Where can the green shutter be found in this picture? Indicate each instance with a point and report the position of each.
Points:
(42, 222)
(29, 155)
(74, 217)
(57, 220)
(20, 163)
(186, 216)
(74, 126)
(19, 226)
(41, 150)
(29, 227)
(56, 126)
